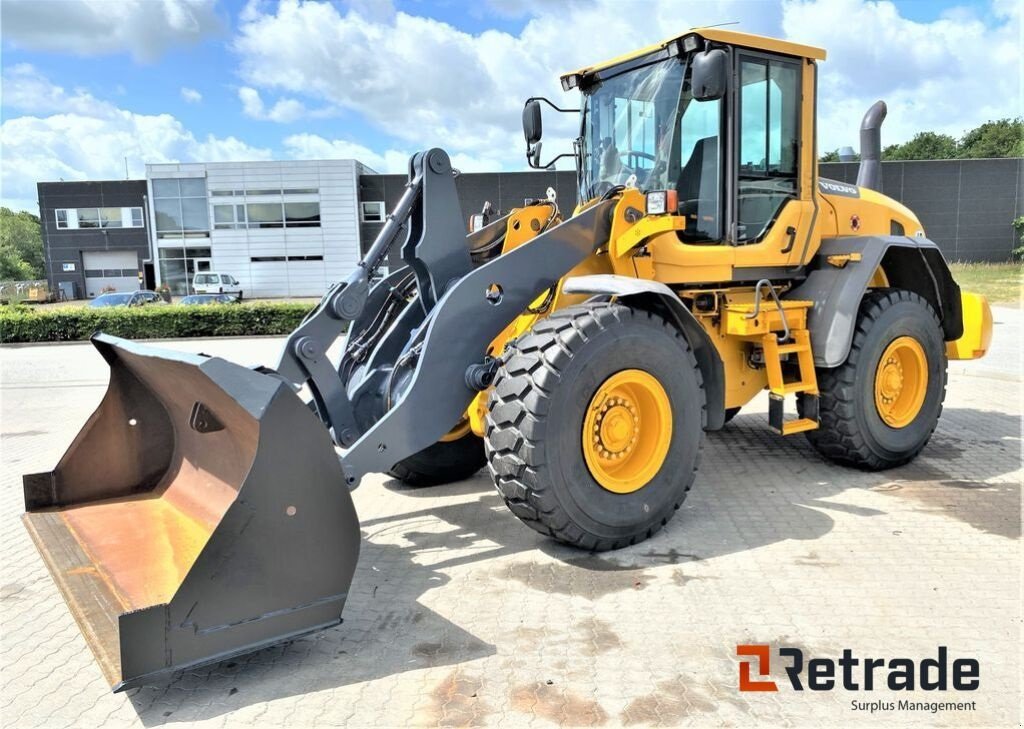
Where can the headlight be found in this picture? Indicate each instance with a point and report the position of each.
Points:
(660, 202)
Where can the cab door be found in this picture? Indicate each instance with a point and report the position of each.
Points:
(773, 204)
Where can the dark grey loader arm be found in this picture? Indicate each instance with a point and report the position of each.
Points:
(458, 331)
(435, 248)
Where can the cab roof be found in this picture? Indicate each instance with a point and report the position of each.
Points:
(719, 35)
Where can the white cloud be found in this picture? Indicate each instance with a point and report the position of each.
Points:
(948, 75)
(424, 83)
(283, 111)
(74, 136)
(143, 28)
(191, 96)
(394, 161)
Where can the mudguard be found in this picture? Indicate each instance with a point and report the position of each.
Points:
(655, 296)
(915, 264)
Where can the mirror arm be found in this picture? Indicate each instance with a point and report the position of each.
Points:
(551, 162)
(552, 105)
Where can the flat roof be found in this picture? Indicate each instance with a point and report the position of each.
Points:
(721, 35)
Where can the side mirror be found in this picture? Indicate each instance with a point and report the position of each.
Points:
(709, 75)
(532, 127)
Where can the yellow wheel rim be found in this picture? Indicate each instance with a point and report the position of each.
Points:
(626, 431)
(901, 382)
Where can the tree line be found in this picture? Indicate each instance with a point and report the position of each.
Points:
(21, 246)
(1001, 138)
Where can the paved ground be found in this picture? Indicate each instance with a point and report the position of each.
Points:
(461, 616)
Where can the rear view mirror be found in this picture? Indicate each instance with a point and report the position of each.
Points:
(709, 75)
(532, 126)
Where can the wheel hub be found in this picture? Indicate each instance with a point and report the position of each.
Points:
(901, 382)
(626, 431)
(617, 428)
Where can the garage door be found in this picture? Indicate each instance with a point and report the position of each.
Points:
(110, 269)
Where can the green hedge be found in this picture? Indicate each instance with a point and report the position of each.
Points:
(27, 324)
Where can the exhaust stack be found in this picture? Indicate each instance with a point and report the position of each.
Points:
(869, 174)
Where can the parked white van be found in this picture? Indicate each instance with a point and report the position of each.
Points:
(216, 283)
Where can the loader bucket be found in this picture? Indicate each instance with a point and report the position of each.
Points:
(200, 513)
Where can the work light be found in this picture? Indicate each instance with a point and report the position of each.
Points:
(660, 202)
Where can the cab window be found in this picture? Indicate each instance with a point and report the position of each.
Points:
(699, 183)
(769, 118)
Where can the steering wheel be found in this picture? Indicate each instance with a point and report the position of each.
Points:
(631, 153)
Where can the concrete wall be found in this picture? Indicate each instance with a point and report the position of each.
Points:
(65, 246)
(504, 190)
(966, 206)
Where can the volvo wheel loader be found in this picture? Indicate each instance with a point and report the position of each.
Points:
(204, 510)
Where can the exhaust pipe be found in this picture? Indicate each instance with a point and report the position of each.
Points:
(869, 174)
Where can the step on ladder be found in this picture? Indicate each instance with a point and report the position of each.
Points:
(777, 346)
(806, 383)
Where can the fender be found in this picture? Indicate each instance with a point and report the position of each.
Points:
(915, 264)
(657, 297)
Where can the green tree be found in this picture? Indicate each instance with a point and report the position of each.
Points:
(924, 145)
(21, 246)
(1000, 138)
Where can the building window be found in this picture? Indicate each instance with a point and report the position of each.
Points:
(265, 215)
(372, 212)
(228, 216)
(110, 217)
(282, 259)
(302, 214)
(181, 207)
(277, 215)
(178, 265)
(88, 218)
(75, 218)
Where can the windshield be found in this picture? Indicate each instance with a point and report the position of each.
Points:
(111, 300)
(644, 122)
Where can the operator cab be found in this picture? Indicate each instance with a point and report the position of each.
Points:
(731, 149)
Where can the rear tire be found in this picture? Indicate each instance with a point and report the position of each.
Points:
(853, 430)
(541, 399)
(444, 462)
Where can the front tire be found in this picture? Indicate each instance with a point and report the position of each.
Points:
(879, 408)
(444, 462)
(596, 360)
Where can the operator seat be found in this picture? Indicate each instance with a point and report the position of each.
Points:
(698, 191)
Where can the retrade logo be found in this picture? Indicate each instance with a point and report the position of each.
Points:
(763, 655)
(853, 673)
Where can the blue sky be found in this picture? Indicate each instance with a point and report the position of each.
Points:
(88, 82)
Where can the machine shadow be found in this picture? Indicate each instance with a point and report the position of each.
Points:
(779, 490)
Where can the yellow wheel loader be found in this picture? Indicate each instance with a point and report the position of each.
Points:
(204, 510)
